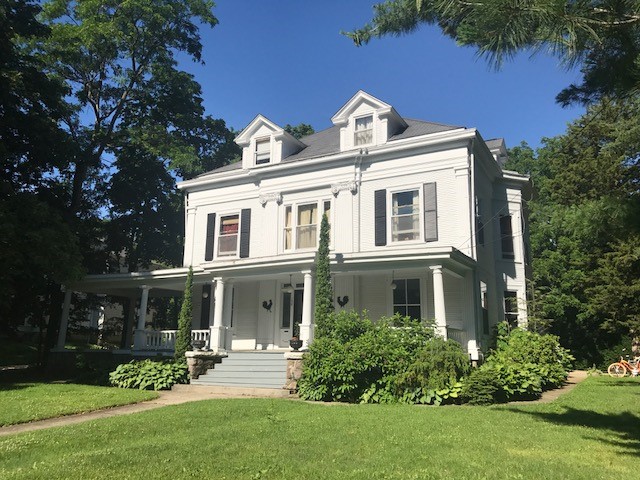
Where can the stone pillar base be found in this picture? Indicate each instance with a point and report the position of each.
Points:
(294, 370)
(199, 362)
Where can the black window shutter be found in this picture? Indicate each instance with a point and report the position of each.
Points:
(206, 306)
(245, 231)
(380, 206)
(211, 230)
(430, 213)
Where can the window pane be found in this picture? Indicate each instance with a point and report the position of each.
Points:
(363, 131)
(307, 214)
(327, 210)
(228, 235)
(400, 293)
(413, 291)
(307, 230)
(263, 151)
(287, 228)
(401, 309)
(286, 311)
(307, 236)
(364, 123)
(413, 311)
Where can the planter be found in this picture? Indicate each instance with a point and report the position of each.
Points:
(295, 343)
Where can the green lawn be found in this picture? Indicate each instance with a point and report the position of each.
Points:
(591, 433)
(24, 402)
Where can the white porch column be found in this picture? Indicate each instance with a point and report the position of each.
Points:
(226, 314)
(217, 330)
(438, 301)
(138, 339)
(307, 325)
(64, 320)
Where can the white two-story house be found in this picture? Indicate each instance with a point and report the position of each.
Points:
(424, 222)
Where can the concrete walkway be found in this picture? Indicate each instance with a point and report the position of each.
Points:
(574, 378)
(170, 397)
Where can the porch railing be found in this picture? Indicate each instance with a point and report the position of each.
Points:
(157, 340)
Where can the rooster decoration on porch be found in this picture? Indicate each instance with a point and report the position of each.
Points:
(342, 301)
(267, 305)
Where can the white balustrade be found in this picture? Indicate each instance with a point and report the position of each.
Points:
(166, 339)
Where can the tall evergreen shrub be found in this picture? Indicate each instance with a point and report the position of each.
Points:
(324, 291)
(183, 336)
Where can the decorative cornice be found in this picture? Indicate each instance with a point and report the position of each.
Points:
(350, 186)
(270, 197)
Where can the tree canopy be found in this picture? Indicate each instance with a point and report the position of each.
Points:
(585, 228)
(601, 36)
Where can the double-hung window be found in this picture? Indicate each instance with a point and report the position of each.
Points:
(363, 134)
(506, 236)
(405, 216)
(406, 298)
(228, 235)
(263, 151)
(511, 308)
(302, 224)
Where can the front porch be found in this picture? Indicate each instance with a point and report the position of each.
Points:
(244, 307)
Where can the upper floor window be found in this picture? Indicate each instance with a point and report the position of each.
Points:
(228, 235)
(479, 222)
(363, 134)
(263, 151)
(405, 216)
(302, 224)
(506, 236)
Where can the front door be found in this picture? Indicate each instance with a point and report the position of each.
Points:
(291, 314)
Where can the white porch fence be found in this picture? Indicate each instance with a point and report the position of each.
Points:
(162, 340)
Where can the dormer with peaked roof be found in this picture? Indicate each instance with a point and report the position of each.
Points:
(366, 121)
(265, 143)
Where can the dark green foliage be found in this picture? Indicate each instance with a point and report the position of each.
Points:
(602, 36)
(149, 375)
(482, 387)
(524, 364)
(584, 224)
(437, 365)
(393, 360)
(299, 131)
(324, 291)
(183, 335)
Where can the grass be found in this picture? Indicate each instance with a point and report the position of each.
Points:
(591, 433)
(25, 402)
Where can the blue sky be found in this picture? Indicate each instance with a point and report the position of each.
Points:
(288, 61)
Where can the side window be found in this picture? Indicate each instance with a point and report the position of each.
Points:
(511, 308)
(506, 237)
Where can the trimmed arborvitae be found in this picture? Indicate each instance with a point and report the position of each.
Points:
(183, 336)
(324, 291)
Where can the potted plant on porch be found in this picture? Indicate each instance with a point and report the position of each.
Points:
(295, 341)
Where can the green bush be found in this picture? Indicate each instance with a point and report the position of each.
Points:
(482, 387)
(149, 375)
(393, 360)
(523, 363)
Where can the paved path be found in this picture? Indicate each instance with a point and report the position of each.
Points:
(574, 378)
(166, 398)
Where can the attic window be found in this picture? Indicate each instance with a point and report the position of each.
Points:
(363, 134)
(263, 151)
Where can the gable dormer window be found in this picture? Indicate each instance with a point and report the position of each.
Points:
(263, 151)
(363, 134)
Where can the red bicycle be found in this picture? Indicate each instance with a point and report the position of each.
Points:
(624, 367)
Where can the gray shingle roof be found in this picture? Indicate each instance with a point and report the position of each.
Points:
(327, 142)
(494, 143)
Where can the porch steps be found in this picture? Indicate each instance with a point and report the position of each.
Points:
(264, 370)
(233, 392)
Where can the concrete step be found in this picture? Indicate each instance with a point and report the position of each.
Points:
(251, 361)
(235, 382)
(234, 391)
(250, 367)
(244, 374)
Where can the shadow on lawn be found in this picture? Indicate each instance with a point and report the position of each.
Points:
(621, 429)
